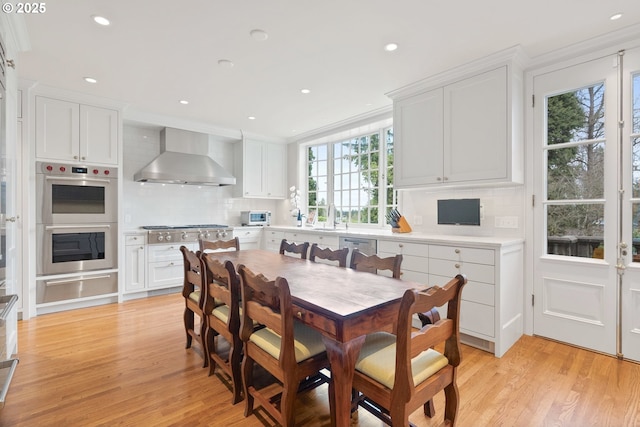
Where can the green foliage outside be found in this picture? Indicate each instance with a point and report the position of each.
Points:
(575, 172)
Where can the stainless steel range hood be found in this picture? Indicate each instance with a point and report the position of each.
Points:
(184, 159)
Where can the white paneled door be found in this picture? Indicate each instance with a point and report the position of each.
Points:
(587, 204)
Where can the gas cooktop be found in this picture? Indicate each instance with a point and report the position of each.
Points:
(186, 233)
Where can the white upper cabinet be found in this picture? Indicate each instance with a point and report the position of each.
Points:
(475, 128)
(465, 131)
(74, 132)
(418, 123)
(261, 170)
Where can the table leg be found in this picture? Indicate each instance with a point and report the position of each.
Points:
(342, 356)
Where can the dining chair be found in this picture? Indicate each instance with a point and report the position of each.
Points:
(291, 247)
(219, 245)
(193, 293)
(373, 263)
(328, 254)
(291, 351)
(396, 374)
(222, 319)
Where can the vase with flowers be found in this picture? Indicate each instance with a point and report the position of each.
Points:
(294, 200)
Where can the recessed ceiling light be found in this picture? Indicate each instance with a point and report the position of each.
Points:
(100, 20)
(90, 80)
(305, 91)
(616, 16)
(390, 47)
(251, 117)
(259, 35)
(225, 63)
(184, 102)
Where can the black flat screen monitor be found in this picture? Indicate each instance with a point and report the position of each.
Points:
(459, 211)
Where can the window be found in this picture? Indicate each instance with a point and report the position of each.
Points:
(353, 174)
(575, 171)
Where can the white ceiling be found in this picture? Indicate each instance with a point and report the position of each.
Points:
(157, 52)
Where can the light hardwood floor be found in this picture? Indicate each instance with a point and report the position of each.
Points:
(126, 365)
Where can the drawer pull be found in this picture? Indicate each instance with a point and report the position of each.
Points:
(400, 245)
(299, 314)
(457, 251)
(457, 265)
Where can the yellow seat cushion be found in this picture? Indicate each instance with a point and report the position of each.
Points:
(307, 341)
(195, 296)
(221, 312)
(378, 360)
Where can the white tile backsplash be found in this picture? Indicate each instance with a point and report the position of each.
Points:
(170, 204)
(496, 202)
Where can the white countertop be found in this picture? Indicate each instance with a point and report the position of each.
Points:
(417, 237)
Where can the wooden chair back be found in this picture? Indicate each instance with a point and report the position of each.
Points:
(268, 303)
(223, 294)
(291, 247)
(193, 290)
(192, 277)
(373, 263)
(219, 245)
(339, 255)
(405, 396)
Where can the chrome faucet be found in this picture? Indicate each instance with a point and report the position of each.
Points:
(332, 215)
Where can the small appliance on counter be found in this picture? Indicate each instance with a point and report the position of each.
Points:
(255, 217)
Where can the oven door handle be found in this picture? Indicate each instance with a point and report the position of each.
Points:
(75, 279)
(67, 227)
(66, 178)
(76, 179)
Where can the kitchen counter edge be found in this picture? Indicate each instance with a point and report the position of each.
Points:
(416, 237)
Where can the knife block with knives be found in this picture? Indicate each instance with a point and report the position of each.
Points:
(398, 223)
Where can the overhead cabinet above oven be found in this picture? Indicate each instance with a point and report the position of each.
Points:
(73, 132)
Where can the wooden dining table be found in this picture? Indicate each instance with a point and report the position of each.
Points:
(343, 304)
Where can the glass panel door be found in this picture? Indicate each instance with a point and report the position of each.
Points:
(575, 276)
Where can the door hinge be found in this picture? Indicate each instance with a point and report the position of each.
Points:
(533, 300)
(533, 200)
(533, 101)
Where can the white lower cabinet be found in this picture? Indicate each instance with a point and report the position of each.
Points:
(272, 239)
(135, 262)
(491, 314)
(322, 240)
(249, 237)
(150, 268)
(165, 267)
(415, 259)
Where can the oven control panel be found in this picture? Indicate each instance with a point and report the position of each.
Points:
(62, 169)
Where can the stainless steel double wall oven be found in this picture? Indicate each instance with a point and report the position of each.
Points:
(76, 232)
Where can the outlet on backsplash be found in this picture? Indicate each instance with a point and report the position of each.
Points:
(506, 222)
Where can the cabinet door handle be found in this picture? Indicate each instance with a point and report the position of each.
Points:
(457, 265)
(438, 179)
(446, 179)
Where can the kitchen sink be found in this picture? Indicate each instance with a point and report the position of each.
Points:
(329, 230)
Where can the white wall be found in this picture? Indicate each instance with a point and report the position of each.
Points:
(496, 202)
(157, 204)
